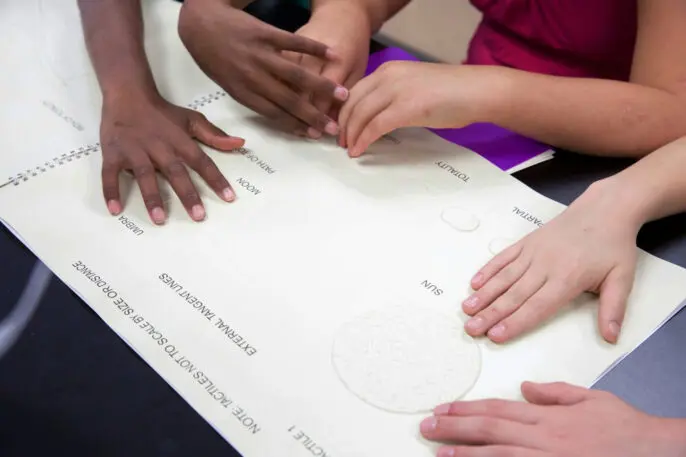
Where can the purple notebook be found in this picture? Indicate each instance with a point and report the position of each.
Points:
(503, 148)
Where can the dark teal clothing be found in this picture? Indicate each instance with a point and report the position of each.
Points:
(302, 3)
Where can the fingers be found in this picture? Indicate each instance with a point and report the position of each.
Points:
(144, 173)
(488, 451)
(496, 286)
(358, 94)
(489, 319)
(290, 101)
(388, 120)
(313, 65)
(537, 309)
(614, 293)
(334, 73)
(300, 77)
(173, 168)
(286, 41)
(259, 104)
(203, 130)
(370, 111)
(496, 264)
(503, 409)
(110, 184)
(207, 169)
(556, 393)
(476, 430)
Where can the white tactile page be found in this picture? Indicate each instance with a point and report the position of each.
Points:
(320, 313)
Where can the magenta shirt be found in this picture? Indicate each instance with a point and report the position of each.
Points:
(583, 38)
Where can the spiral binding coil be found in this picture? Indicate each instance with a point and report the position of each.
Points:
(87, 150)
(74, 154)
(206, 100)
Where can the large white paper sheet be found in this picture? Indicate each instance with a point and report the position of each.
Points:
(238, 313)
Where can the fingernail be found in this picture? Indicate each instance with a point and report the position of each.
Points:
(475, 323)
(497, 332)
(157, 215)
(428, 425)
(354, 153)
(614, 329)
(442, 410)
(314, 133)
(114, 207)
(228, 195)
(341, 93)
(446, 452)
(471, 303)
(198, 213)
(331, 128)
(331, 54)
(477, 278)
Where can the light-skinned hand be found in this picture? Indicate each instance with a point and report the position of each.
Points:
(590, 247)
(411, 94)
(557, 420)
(344, 28)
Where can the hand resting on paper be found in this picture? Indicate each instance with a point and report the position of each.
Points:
(557, 420)
(590, 247)
(144, 136)
(140, 130)
(246, 57)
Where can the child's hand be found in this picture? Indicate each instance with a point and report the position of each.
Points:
(590, 247)
(557, 420)
(344, 28)
(144, 136)
(408, 94)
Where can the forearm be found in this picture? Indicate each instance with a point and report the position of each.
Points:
(650, 189)
(592, 116)
(672, 431)
(113, 31)
(377, 11)
(241, 4)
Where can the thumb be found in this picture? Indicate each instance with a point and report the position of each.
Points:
(556, 393)
(614, 293)
(206, 132)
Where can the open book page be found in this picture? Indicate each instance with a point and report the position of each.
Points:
(255, 314)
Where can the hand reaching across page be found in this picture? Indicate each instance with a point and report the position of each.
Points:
(344, 27)
(245, 57)
(590, 247)
(557, 420)
(411, 94)
(148, 136)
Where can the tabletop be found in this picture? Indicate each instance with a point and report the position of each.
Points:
(72, 387)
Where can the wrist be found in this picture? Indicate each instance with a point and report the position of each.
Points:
(487, 94)
(350, 11)
(130, 93)
(618, 201)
